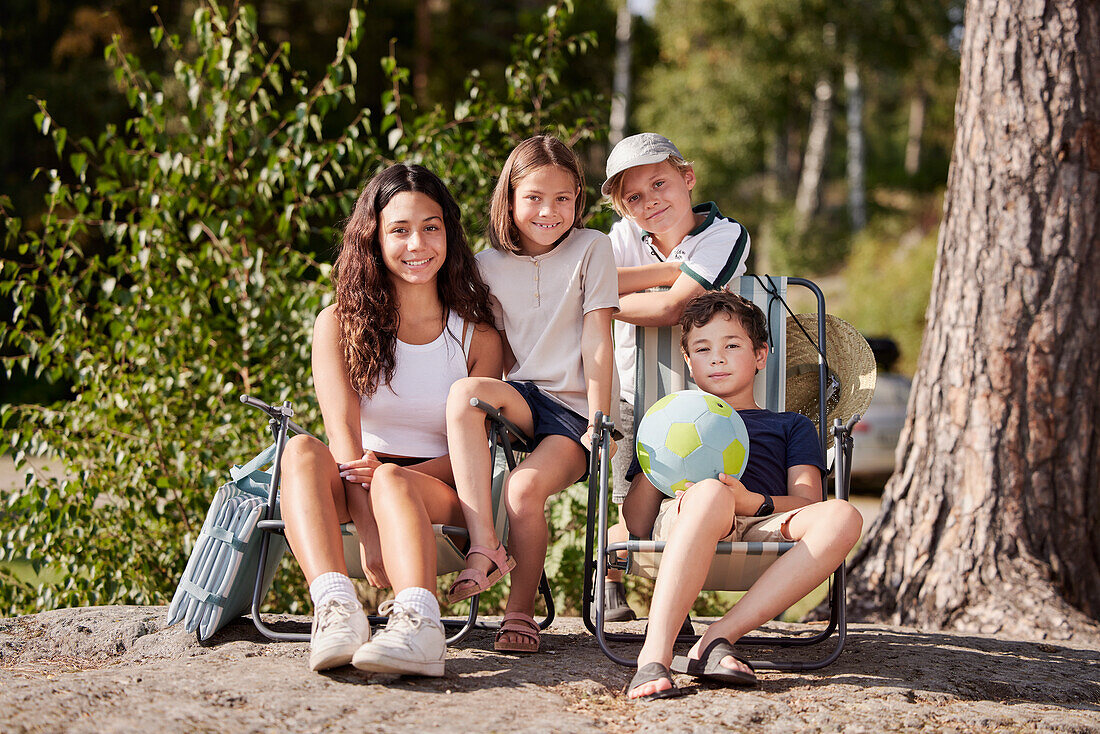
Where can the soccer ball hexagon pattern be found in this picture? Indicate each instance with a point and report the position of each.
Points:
(689, 436)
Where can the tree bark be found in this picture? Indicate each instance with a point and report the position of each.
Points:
(991, 522)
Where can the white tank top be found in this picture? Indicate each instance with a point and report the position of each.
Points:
(408, 417)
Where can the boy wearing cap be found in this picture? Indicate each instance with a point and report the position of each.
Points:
(661, 241)
(778, 498)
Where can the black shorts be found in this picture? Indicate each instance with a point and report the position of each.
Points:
(551, 418)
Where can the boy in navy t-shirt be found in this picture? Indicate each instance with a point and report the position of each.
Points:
(778, 498)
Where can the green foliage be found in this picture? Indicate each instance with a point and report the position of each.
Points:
(174, 270)
(734, 84)
(888, 281)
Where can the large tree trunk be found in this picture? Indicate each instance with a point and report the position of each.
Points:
(992, 520)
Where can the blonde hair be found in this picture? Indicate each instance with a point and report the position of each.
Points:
(531, 154)
(615, 184)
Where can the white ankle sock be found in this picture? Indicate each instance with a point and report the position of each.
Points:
(332, 585)
(421, 600)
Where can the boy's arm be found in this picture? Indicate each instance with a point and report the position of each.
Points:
(597, 360)
(636, 278)
(662, 308)
(803, 488)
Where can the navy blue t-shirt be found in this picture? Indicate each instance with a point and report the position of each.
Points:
(777, 441)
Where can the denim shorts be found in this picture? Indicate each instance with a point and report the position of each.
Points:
(551, 418)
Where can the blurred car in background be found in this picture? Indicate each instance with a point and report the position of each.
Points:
(876, 435)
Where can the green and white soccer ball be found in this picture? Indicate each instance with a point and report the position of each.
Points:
(689, 436)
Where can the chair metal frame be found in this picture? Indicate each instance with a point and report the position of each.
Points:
(503, 435)
(599, 555)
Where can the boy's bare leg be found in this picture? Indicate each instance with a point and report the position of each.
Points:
(556, 463)
(706, 515)
(617, 533)
(826, 532)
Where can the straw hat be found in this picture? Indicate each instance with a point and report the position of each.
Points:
(851, 377)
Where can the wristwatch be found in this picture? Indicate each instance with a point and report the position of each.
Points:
(767, 508)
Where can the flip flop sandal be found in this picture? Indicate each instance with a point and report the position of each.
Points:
(709, 665)
(520, 624)
(502, 564)
(647, 674)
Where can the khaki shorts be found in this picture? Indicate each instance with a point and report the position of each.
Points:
(749, 529)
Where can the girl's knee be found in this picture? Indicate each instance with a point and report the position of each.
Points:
(389, 479)
(463, 391)
(301, 451)
(526, 493)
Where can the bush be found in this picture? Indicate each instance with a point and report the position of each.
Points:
(175, 269)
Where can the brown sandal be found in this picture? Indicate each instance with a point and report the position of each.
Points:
(502, 564)
(520, 624)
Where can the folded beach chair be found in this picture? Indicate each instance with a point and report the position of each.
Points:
(660, 369)
(506, 439)
(217, 583)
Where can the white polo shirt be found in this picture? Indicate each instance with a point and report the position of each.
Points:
(712, 254)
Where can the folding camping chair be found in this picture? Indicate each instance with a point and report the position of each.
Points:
(660, 370)
(505, 438)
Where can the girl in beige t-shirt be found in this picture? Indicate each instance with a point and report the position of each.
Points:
(554, 288)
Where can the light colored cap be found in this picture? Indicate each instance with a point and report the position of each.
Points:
(637, 150)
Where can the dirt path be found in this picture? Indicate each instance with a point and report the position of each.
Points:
(117, 669)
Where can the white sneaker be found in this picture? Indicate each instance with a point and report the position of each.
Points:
(410, 644)
(339, 628)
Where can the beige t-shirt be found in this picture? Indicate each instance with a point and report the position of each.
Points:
(540, 302)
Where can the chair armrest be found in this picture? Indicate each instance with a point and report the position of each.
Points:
(495, 415)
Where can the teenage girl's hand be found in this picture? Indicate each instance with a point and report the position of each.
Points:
(360, 471)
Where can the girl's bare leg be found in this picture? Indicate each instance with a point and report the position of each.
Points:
(470, 458)
(406, 503)
(556, 463)
(313, 506)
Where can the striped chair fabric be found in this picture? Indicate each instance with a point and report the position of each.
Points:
(659, 370)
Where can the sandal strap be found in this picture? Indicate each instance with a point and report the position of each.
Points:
(472, 574)
(498, 556)
(520, 623)
(648, 673)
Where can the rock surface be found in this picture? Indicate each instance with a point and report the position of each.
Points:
(117, 669)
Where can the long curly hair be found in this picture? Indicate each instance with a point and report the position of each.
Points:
(366, 306)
